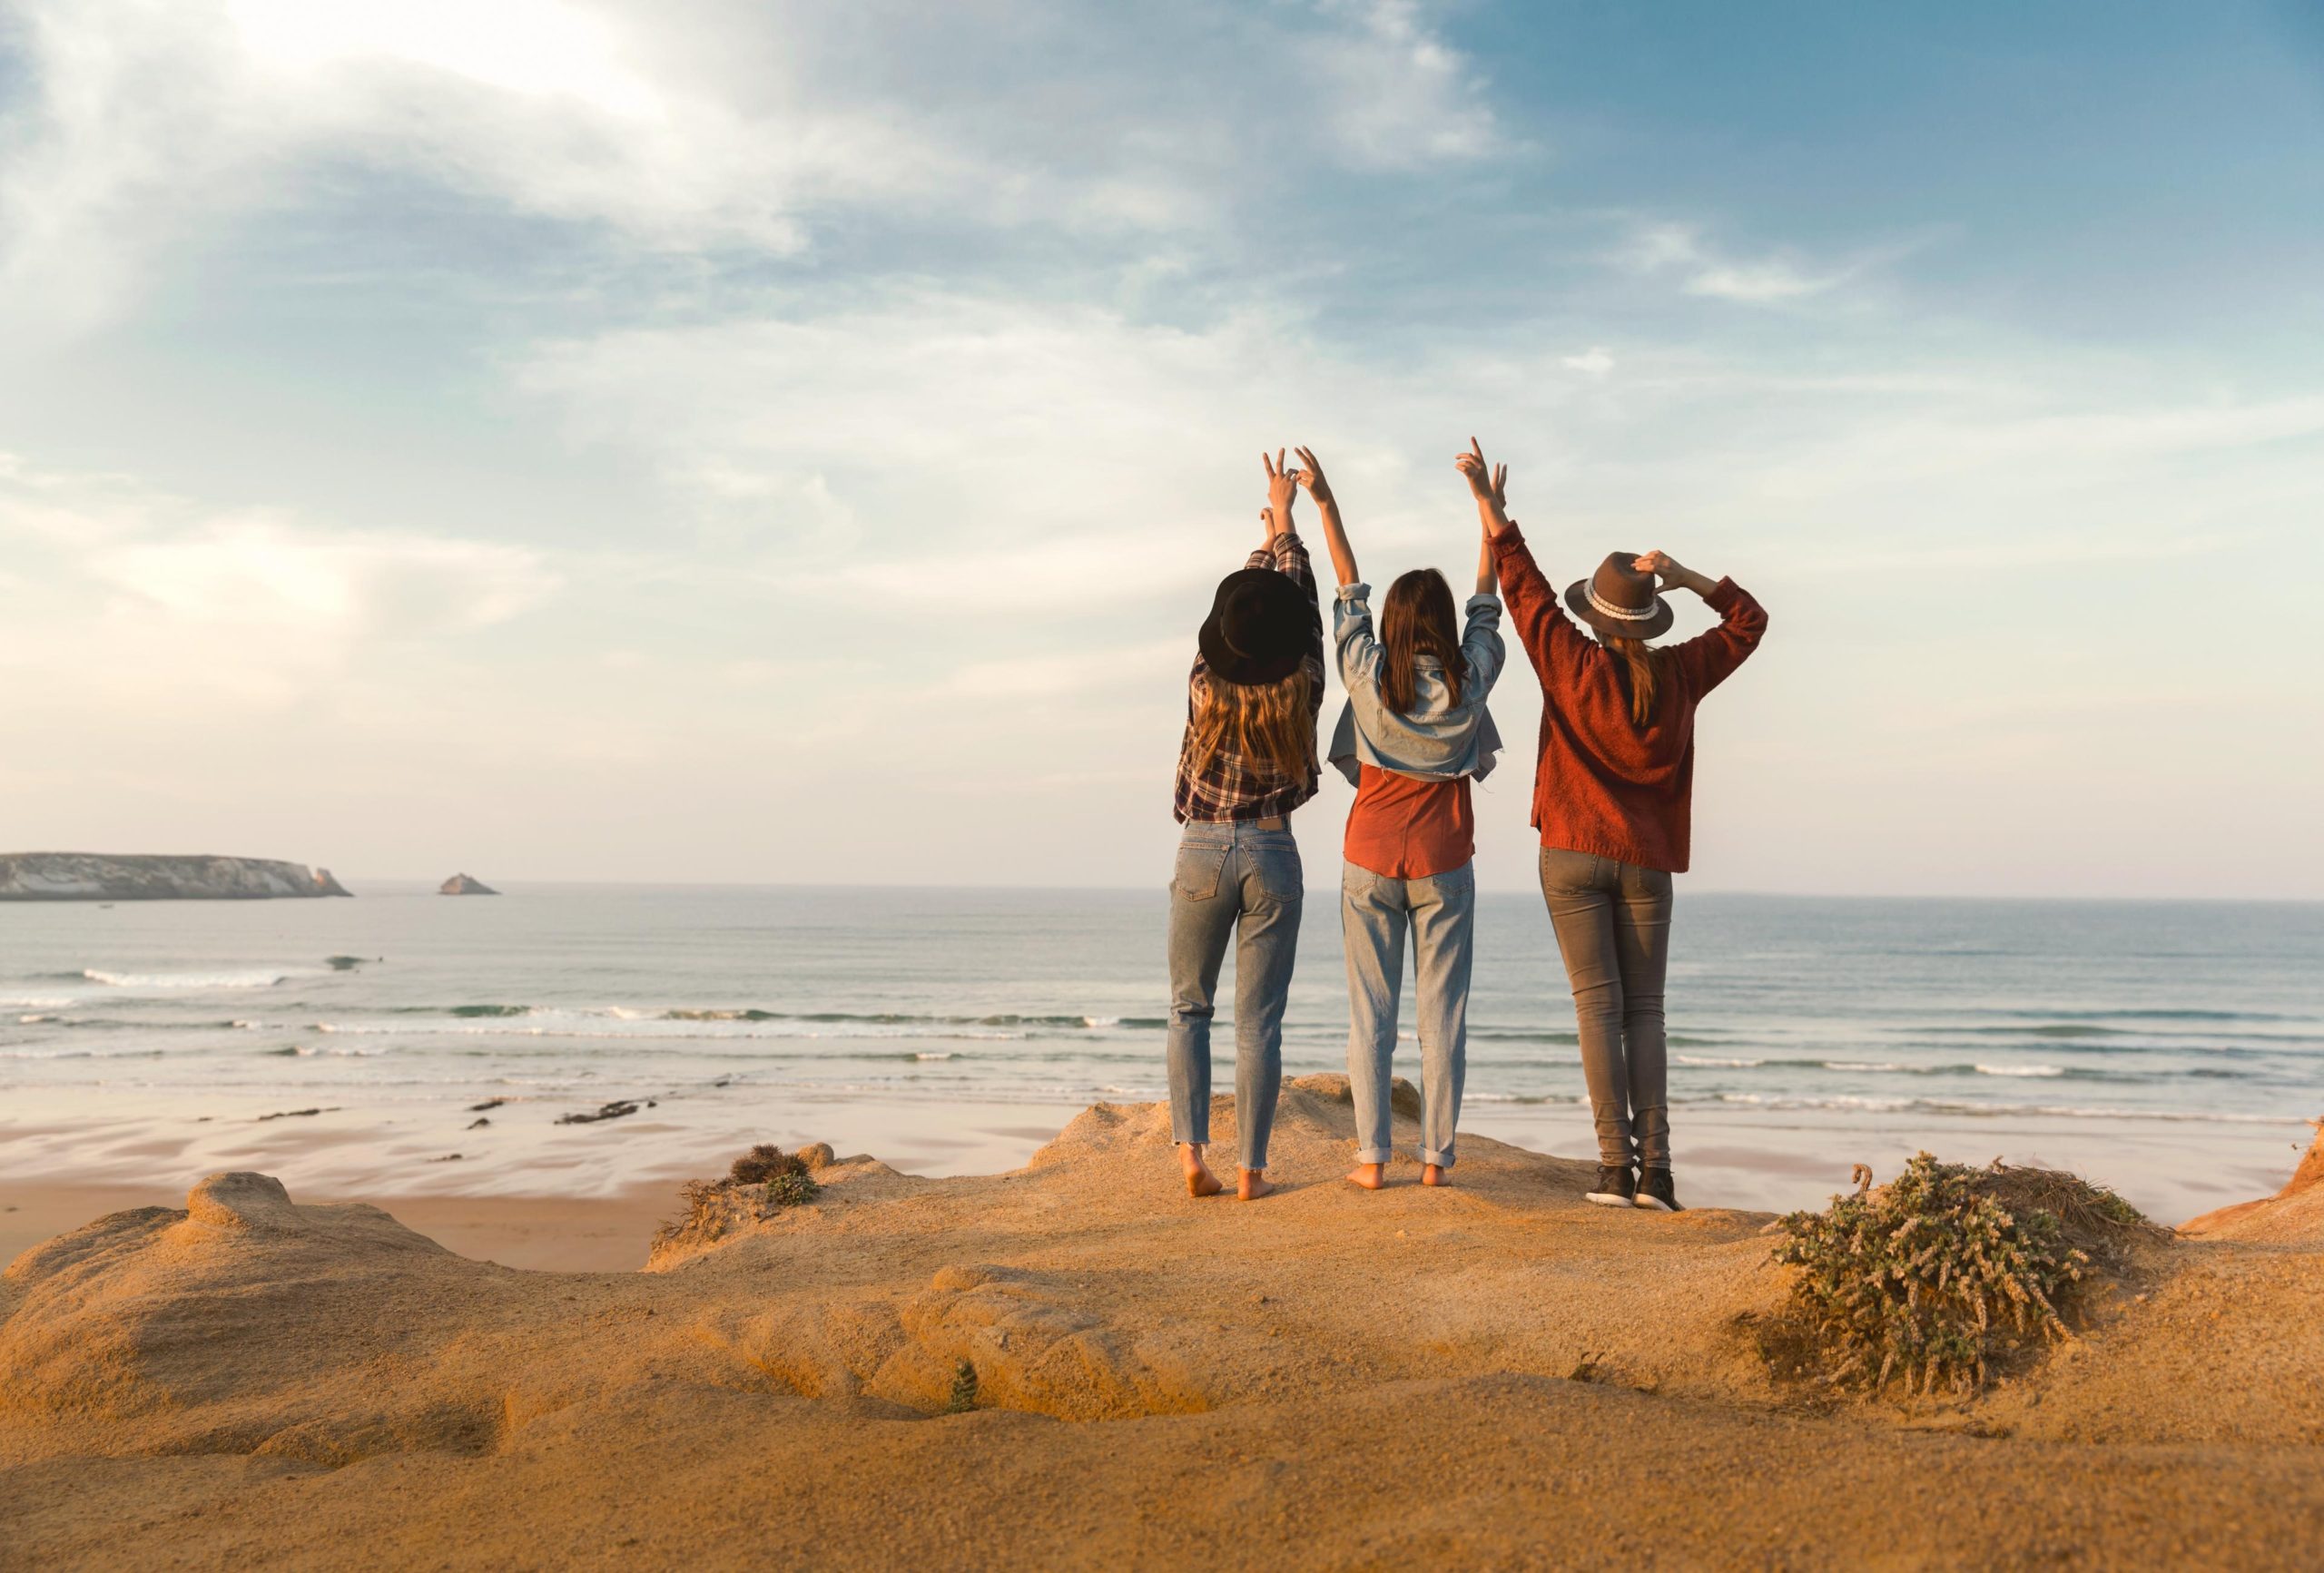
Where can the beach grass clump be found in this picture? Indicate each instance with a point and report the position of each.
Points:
(792, 1190)
(1945, 1275)
(964, 1388)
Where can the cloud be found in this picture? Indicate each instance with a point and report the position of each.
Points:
(146, 596)
(1400, 96)
(1680, 250)
(695, 131)
(1592, 363)
(968, 422)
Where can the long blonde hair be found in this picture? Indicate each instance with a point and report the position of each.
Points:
(1643, 665)
(1269, 726)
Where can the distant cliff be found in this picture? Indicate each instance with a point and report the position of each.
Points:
(96, 876)
(464, 885)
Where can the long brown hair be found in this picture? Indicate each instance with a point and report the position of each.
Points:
(1269, 725)
(1416, 619)
(1642, 664)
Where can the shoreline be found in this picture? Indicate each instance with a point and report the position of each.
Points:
(1750, 1159)
(1726, 1159)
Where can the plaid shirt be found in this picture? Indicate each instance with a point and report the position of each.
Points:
(1226, 787)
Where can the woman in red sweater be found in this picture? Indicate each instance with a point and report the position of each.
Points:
(1611, 797)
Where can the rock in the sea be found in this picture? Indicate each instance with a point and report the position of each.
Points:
(98, 877)
(464, 885)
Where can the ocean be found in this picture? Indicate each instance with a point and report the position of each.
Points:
(2173, 1049)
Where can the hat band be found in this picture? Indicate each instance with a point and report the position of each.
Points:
(1605, 608)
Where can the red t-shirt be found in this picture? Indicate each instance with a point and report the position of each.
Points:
(1402, 827)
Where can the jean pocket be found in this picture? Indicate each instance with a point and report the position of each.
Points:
(1456, 886)
(1281, 877)
(1568, 872)
(1195, 878)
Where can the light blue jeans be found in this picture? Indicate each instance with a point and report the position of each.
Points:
(1232, 880)
(1441, 912)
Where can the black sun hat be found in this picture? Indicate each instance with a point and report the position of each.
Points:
(1259, 628)
(1620, 599)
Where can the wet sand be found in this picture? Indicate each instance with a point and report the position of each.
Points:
(1757, 1160)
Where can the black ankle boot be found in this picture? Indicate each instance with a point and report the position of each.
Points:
(1616, 1187)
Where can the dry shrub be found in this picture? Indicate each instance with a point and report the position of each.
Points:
(714, 1208)
(1941, 1277)
(708, 1213)
(763, 1162)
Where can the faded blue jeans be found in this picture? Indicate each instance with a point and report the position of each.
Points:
(1613, 926)
(1233, 879)
(1441, 912)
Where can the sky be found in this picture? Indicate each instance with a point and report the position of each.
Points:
(770, 442)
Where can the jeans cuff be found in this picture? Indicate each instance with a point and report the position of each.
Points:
(1375, 1155)
(1442, 1160)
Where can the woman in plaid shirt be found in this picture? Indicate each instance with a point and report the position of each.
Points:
(1247, 760)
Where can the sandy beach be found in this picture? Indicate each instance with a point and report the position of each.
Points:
(1494, 1374)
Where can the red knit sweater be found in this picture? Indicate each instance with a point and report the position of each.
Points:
(1603, 784)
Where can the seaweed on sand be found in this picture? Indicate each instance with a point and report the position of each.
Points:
(1943, 1276)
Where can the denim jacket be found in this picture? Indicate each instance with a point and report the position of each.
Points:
(1439, 741)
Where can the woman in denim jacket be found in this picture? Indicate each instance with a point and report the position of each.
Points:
(1413, 733)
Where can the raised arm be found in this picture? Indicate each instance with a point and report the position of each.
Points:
(1286, 554)
(1485, 576)
(1707, 659)
(1327, 507)
(1283, 490)
(1542, 625)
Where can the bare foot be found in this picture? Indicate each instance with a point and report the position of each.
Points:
(1200, 1181)
(1255, 1184)
(1434, 1174)
(1371, 1177)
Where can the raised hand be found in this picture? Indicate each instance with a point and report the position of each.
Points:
(1282, 489)
(1489, 483)
(1672, 573)
(1312, 477)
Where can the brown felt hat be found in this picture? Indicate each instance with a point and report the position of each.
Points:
(1620, 600)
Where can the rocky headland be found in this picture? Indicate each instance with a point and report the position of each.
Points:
(109, 877)
(464, 885)
(826, 1362)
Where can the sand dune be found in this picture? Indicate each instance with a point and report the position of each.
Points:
(1495, 1374)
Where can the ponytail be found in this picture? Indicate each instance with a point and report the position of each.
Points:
(1642, 666)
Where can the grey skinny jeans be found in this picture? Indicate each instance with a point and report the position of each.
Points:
(1613, 927)
(1374, 912)
(1233, 879)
